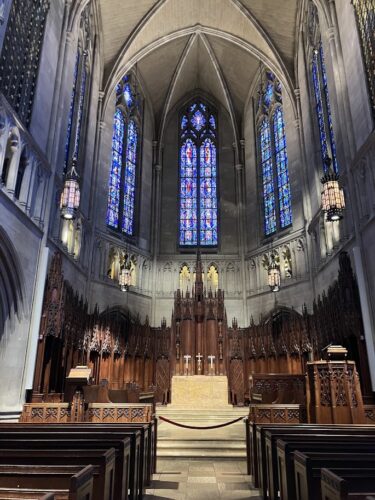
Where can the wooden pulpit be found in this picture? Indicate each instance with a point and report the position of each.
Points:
(78, 378)
(334, 393)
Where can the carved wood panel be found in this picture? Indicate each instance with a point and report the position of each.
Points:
(162, 380)
(237, 386)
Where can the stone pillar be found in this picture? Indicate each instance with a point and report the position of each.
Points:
(156, 218)
(240, 186)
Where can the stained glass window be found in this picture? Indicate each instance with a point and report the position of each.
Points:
(323, 108)
(115, 176)
(125, 146)
(276, 190)
(20, 55)
(198, 177)
(188, 193)
(71, 111)
(365, 15)
(281, 156)
(130, 176)
(79, 94)
(268, 178)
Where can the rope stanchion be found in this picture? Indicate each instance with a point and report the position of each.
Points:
(200, 428)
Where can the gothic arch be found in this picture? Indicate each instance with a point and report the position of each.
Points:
(11, 283)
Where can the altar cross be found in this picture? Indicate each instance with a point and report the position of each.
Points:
(211, 357)
(187, 358)
(199, 358)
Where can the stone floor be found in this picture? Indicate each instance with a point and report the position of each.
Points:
(201, 480)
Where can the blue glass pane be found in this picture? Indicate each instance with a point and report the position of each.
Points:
(212, 122)
(268, 180)
(81, 104)
(184, 122)
(130, 178)
(188, 193)
(323, 108)
(268, 94)
(198, 120)
(281, 155)
(71, 112)
(319, 106)
(115, 175)
(128, 95)
(328, 108)
(208, 194)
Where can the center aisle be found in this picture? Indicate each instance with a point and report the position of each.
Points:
(201, 480)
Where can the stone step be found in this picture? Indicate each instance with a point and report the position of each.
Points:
(177, 444)
(202, 454)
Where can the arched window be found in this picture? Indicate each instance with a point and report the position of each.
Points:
(79, 95)
(198, 176)
(20, 55)
(125, 158)
(365, 15)
(323, 108)
(273, 156)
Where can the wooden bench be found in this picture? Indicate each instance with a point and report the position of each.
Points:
(308, 466)
(150, 439)
(26, 494)
(346, 484)
(127, 453)
(310, 443)
(68, 482)
(261, 455)
(147, 444)
(103, 463)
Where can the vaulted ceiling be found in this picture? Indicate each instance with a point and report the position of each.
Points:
(213, 45)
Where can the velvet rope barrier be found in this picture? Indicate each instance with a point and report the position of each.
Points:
(198, 428)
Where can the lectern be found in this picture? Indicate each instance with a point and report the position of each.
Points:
(333, 390)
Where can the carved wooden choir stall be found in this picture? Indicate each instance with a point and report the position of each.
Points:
(264, 362)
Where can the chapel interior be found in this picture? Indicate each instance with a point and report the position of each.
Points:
(187, 234)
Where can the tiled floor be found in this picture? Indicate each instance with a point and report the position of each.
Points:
(201, 480)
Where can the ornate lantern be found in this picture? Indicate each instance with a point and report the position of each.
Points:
(274, 276)
(70, 196)
(125, 278)
(333, 200)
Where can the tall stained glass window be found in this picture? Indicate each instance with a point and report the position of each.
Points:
(79, 93)
(198, 176)
(124, 163)
(323, 108)
(273, 155)
(20, 55)
(365, 15)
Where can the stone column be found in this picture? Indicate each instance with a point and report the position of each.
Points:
(156, 218)
(240, 186)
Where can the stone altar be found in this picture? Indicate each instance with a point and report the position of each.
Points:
(200, 391)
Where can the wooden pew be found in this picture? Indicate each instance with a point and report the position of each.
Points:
(259, 445)
(344, 484)
(148, 439)
(103, 463)
(67, 482)
(26, 494)
(151, 428)
(308, 466)
(311, 443)
(127, 453)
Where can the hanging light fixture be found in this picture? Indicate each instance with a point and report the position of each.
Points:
(125, 277)
(333, 200)
(70, 196)
(274, 276)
